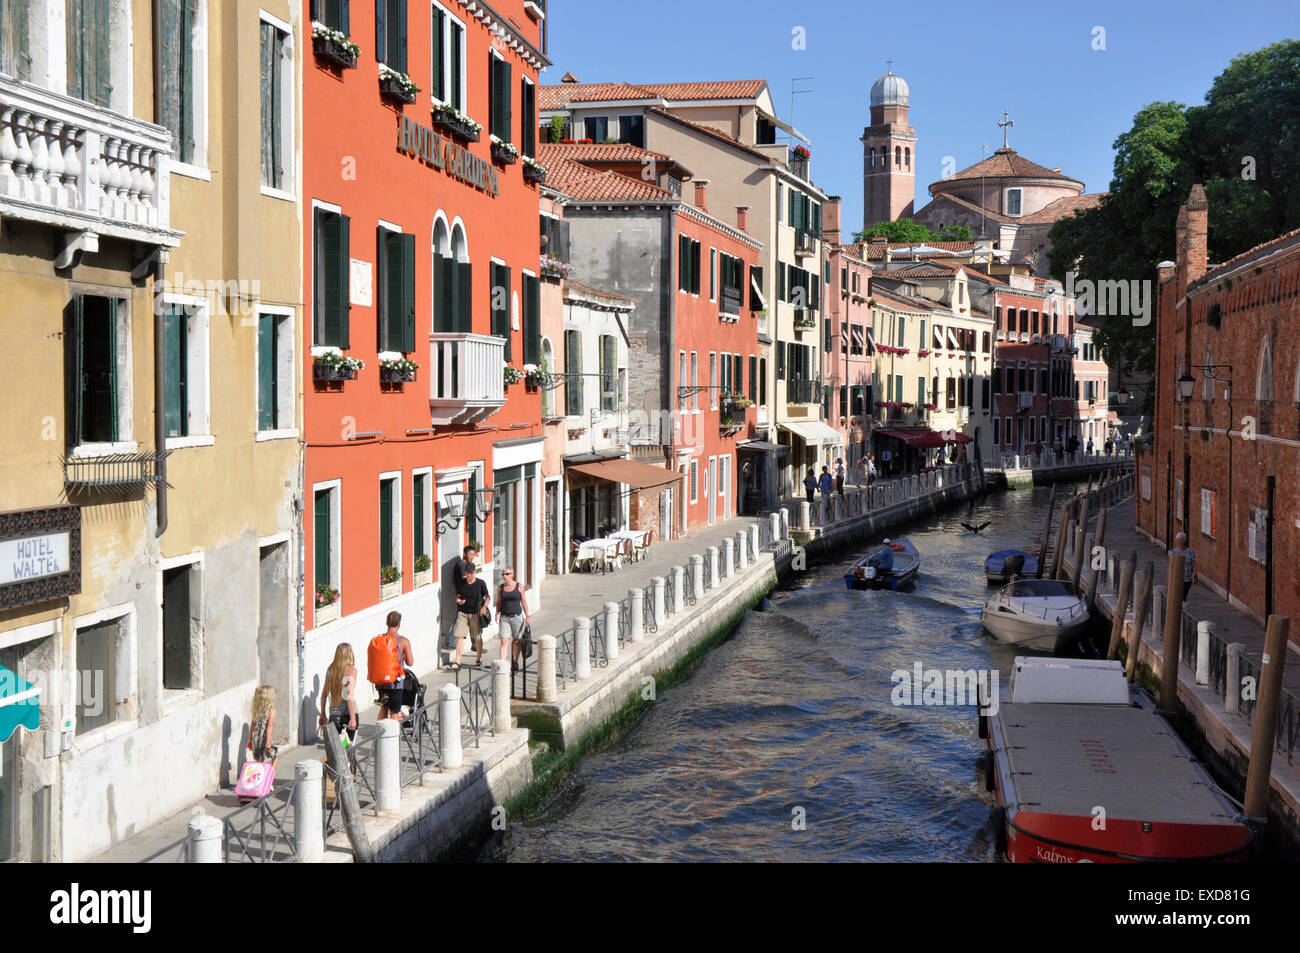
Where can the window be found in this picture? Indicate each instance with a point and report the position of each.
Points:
(1209, 512)
(753, 378)
(732, 279)
(997, 432)
(596, 128)
(532, 319)
(179, 42)
(447, 59)
(713, 274)
(1145, 482)
(713, 380)
(396, 291)
(334, 14)
(331, 279)
(695, 380)
(631, 129)
(182, 626)
(755, 288)
(15, 49)
(390, 521)
(528, 122)
(277, 107)
(573, 366)
(737, 374)
(681, 378)
(608, 373)
(89, 50)
(499, 87)
(1013, 201)
(499, 296)
(688, 255)
(1264, 378)
(1178, 499)
(185, 335)
(326, 541)
(555, 235)
(762, 382)
(453, 293)
(390, 34)
(1257, 534)
(275, 372)
(103, 664)
(98, 374)
(421, 516)
(724, 478)
(695, 481)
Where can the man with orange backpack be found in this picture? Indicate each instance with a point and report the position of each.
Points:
(386, 661)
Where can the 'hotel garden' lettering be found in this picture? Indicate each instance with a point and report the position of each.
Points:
(432, 149)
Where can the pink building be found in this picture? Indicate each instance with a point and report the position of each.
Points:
(846, 338)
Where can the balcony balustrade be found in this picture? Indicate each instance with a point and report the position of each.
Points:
(466, 383)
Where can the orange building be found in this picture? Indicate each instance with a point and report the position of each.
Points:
(420, 284)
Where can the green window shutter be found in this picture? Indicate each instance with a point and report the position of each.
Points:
(167, 94)
(321, 518)
(397, 28)
(407, 338)
(175, 417)
(266, 389)
(465, 298)
(381, 31)
(417, 508)
(609, 370)
(344, 17)
(268, 73)
(112, 369)
(780, 360)
(505, 308)
(528, 119)
(683, 263)
(457, 52)
(385, 285)
(507, 102)
(444, 294)
(753, 378)
(74, 368)
(494, 96)
(335, 263)
(89, 36)
(695, 275)
(189, 17)
(780, 282)
(532, 320)
(439, 55)
(385, 522)
(343, 265)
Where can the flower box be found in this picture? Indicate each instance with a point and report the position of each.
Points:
(326, 614)
(454, 124)
(424, 578)
(334, 49)
(396, 87)
(553, 267)
(333, 372)
(397, 372)
(390, 590)
(534, 172)
(503, 153)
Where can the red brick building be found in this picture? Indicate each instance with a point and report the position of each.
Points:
(420, 261)
(1225, 463)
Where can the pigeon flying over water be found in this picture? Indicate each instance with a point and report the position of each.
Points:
(976, 529)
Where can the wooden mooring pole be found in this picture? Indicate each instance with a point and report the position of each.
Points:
(1173, 634)
(1143, 582)
(346, 793)
(1271, 670)
(1122, 597)
(1047, 533)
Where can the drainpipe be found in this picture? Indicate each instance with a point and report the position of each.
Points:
(1268, 548)
(299, 506)
(159, 411)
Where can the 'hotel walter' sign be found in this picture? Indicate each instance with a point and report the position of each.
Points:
(40, 555)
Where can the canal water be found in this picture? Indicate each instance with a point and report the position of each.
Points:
(784, 744)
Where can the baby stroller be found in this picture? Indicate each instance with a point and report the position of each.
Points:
(413, 692)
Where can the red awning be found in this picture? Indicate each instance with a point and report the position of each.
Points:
(924, 439)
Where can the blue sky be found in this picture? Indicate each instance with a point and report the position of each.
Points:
(965, 64)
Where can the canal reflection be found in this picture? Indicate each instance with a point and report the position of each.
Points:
(785, 744)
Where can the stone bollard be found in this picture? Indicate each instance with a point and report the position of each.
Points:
(1204, 629)
(785, 523)
(753, 541)
(742, 550)
(1111, 582)
(611, 630)
(636, 607)
(774, 526)
(713, 569)
(805, 516)
(697, 575)
(309, 834)
(659, 584)
(205, 837)
(500, 696)
(546, 668)
(582, 648)
(1232, 679)
(388, 766)
(679, 587)
(449, 709)
(724, 569)
(1158, 594)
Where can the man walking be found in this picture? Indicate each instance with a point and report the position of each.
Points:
(471, 611)
(1190, 574)
(392, 694)
(839, 476)
(825, 484)
(872, 473)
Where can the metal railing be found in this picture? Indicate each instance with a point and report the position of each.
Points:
(421, 743)
(261, 832)
(476, 704)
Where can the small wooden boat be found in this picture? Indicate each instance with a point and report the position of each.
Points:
(1067, 739)
(1001, 566)
(1048, 615)
(893, 564)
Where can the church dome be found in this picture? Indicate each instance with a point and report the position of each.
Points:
(889, 90)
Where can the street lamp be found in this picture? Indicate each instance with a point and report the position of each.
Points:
(1185, 385)
(457, 502)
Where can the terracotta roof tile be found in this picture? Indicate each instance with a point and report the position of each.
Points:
(577, 181)
(603, 152)
(1009, 163)
(577, 287)
(558, 96)
(1063, 208)
(724, 89)
(875, 251)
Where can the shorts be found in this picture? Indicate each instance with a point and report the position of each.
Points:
(393, 695)
(339, 719)
(469, 625)
(512, 626)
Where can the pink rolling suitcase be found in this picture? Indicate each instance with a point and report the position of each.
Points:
(255, 780)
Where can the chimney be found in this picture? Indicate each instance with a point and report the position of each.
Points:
(702, 194)
(1192, 231)
(742, 217)
(831, 220)
(1165, 270)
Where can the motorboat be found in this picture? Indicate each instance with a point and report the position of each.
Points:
(893, 564)
(1004, 565)
(1070, 738)
(1043, 614)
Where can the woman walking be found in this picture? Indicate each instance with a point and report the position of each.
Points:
(810, 484)
(512, 616)
(337, 695)
(259, 736)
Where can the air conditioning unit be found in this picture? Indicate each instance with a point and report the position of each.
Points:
(1025, 400)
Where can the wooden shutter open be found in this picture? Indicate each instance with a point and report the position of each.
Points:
(532, 320)
(266, 390)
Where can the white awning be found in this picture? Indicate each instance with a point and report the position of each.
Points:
(938, 336)
(756, 290)
(813, 432)
(783, 125)
(952, 340)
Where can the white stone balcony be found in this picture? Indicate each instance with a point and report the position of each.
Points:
(94, 173)
(466, 378)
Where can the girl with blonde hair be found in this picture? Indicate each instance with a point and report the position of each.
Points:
(337, 693)
(259, 736)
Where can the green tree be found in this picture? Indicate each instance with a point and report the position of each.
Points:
(956, 233)
(902, 230)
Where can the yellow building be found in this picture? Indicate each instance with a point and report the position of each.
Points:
(148, 531)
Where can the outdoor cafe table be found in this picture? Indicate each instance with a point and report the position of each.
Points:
(604, 549)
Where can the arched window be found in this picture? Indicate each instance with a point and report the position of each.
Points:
(1207, 383)
(1264, 378)
(872, 163)
(898, 157)
(907, 158)
(548, 362)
